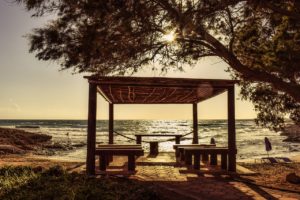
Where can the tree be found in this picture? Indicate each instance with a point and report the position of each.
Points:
(258, 39)
(271, 43)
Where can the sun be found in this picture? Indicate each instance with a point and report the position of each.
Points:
(169, 37)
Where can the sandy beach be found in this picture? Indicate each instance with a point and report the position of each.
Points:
(268, 176)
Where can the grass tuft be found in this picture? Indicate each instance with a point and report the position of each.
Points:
(56, 183)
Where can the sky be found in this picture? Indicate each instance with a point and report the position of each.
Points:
(33, 89)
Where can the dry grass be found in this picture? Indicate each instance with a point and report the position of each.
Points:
(274, 175)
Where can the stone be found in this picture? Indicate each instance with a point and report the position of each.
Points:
(293, 178)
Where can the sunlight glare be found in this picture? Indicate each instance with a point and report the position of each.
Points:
(169, 37)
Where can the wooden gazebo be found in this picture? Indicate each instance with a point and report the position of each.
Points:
(149, 90)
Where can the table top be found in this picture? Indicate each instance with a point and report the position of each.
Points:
(204, 147)
(207, 150)
(159, 135)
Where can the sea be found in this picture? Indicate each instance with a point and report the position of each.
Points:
(249, 136)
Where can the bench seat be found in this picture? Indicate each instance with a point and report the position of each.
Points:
(118, 146)
(179, 149)
(105, 154)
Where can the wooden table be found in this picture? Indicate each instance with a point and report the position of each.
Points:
(154, 144)
(106, 153)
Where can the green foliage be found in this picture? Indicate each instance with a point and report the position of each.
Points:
(260, 40)
(272, 107)
(271, 45)
(56, 183)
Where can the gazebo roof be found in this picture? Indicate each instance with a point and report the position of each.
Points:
(153, 90)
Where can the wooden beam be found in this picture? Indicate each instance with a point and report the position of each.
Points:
(91, 131)
(158, 81)
(195, 124)
(111, 123)
(103, 95)
(231, 130)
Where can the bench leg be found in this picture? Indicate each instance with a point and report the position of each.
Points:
(181, 155)
(224, 161)
(188, 158)
(177, 139)
(197, 161)
(131, 163)
(103, 163)
(110, 159)
(204, 157)
(177, 154)
(138, 139)
(153, 148)
(213, 159)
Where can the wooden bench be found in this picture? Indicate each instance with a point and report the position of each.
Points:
(154, 144)
(179, 150)
(106, 153)
(119, 146)
(197, 152)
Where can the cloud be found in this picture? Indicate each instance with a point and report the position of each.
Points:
(13, 106)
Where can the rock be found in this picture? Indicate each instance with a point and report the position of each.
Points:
(58, 145)
(16, 141)
(10, 149)
(292, 139)
(293, 178)
(80, 144)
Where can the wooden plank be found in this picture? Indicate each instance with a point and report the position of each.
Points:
(192, 145)
(123, 151)
(103, 94)
(158, 81)
(111, 124)
(91, 130)
(206, 150)
(118, 145)
(231, 130)
(161, 90)
(158, 135)
(195, 124)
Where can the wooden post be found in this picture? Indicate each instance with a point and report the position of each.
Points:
(224, 161)
(111, 123)
(131, 162)
(195, 124)
(138, 139)
(188, 157)
(197, 160)
(103, 162)
(213, 158)
(91, 130)
(177, 139)
(231, 131)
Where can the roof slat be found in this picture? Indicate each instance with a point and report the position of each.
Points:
(147, 90)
